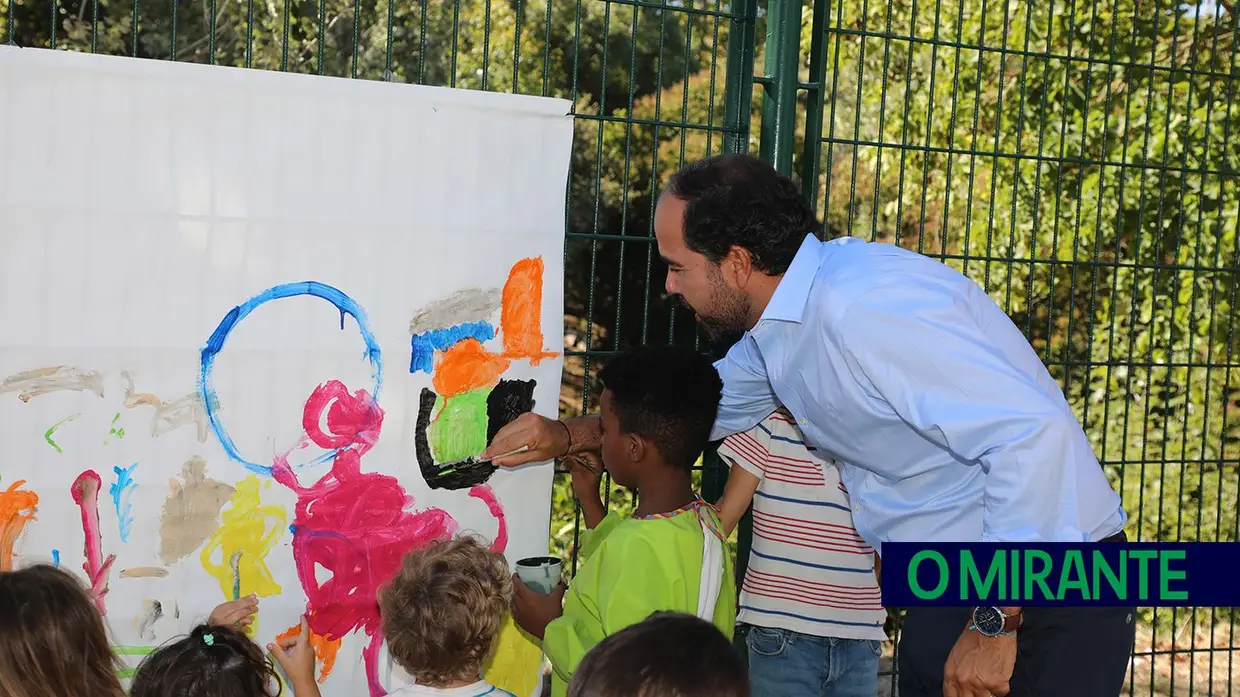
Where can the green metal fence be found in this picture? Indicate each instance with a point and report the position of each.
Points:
(1076, 159)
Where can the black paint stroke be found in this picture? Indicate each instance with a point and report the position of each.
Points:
(508, 400)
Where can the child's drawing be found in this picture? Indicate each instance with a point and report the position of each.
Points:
(348, 527)
(357, 525)
(255, 358)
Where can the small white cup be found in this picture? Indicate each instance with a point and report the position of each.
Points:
(542, 574)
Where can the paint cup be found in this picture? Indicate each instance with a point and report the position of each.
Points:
(542, 574)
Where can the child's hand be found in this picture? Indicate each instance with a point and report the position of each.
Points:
(533, 612)
(587, 471)
(296, 656)
(235, 613)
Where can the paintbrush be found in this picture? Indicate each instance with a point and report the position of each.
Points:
(582, 462)
(450, 468)
(518, 451)
(235, 562)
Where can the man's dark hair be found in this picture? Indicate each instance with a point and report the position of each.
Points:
(667, 395)
(741, 200)
(670, 654)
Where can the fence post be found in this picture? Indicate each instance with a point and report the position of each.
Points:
(738, 90)
(780, 78)
(815, 103)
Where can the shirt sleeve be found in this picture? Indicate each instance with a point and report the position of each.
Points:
(747, 395)
(749, 450)
(627, 583)
(923, 353)
(592, 539)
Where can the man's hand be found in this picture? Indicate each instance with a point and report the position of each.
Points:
(544, 438)
(979, 666)
(235, 613)
(533, 612)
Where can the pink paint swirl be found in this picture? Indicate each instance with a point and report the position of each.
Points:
(356, 524)
(485, 494)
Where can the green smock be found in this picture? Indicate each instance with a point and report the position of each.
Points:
(631, 568)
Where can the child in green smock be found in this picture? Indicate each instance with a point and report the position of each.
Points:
(658, 405)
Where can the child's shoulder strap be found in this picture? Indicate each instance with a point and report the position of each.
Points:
(712, 560)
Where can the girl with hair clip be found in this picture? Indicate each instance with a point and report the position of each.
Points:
(215, 661)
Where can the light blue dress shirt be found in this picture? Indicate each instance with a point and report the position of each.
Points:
(946, 425)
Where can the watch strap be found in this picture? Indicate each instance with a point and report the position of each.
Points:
(1012, 622)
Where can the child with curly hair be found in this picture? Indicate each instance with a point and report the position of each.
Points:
(441, 615)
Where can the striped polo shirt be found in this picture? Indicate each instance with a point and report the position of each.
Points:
(809, 571)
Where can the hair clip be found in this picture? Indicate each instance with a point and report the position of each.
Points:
(208, 639)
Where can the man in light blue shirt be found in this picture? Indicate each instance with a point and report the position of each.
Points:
(946, 425)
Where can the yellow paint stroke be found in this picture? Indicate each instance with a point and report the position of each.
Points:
(324, 650)
(516, 663)
(17, 508)
(236, 554)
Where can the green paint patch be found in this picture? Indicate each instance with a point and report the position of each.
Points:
(47, 435)
(460, 426)
(127, 672)
(115, 431)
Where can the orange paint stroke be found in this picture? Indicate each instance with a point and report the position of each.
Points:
(467, 366)
(521, 312)
(324, 650)
(17, 508)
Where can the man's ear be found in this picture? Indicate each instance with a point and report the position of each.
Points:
(737, 265)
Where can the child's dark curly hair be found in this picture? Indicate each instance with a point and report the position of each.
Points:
(670, 654)
(210, 662)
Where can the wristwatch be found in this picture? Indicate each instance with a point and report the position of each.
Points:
(992, 621)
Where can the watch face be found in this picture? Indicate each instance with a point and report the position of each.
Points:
(989, 620)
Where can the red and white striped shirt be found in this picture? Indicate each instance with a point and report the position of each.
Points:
(809, 571)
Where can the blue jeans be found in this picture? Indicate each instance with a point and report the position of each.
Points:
(784, 663)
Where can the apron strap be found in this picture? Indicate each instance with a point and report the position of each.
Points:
(712, 565)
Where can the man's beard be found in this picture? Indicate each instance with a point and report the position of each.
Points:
(728, 315)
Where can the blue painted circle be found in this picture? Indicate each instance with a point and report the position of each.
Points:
(206, 389)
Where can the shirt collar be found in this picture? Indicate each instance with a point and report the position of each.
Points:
(788, 302)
